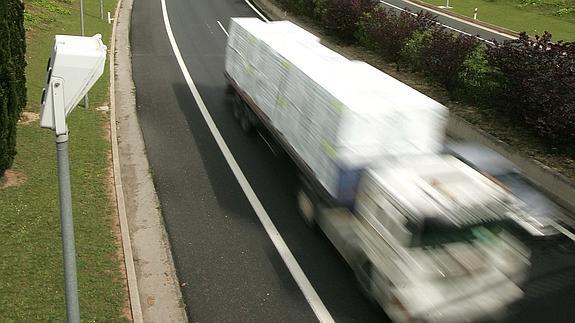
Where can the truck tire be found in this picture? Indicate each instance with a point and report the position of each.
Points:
(362, 270)
(230, 89)
(246, 121)
(307, 208)
(238, 106)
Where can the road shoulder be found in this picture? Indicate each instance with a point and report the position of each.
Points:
(158, 292)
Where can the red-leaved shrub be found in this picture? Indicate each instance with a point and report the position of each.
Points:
(538, 84)
(386, 31)
(443, 55)
(341, 17)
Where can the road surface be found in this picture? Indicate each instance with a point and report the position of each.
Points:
(229, 266)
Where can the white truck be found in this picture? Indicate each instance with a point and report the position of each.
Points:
(427, 237)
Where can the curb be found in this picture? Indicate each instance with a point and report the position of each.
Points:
(134, 295)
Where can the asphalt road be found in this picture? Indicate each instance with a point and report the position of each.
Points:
(228, 267)
(455, 24)
(230, 270)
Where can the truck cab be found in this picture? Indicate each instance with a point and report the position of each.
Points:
(430, 239)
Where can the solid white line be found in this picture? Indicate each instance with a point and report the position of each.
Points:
(307, 289)
(446, 26)
(224, 29)
(256, 10)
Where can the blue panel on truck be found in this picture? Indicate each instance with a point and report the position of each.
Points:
(347, 184)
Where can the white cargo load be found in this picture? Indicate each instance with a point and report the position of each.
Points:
(338, 115)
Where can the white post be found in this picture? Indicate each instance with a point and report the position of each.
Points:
(82, 31)
(475, 14)
(446, 5)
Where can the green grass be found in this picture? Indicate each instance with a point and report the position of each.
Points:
(532, 16)
(31, 266)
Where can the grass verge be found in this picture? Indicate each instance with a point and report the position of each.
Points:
(31, 267)
(531, 16)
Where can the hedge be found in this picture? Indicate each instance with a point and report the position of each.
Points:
(532, 81)
(387, 33)
(537, 84)
(12, 77)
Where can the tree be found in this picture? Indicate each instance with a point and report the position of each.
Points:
(12, 77)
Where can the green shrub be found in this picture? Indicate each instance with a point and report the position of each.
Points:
(367, 28)
(387, 31)
(12, 77)
(478, 82)
(410, 54)
(320, 8)
(53, 6)
(300, 7)
(525, 3)
(565, 12)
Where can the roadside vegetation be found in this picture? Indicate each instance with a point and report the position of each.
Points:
(519, 91)
(532, 16)
(31, 266)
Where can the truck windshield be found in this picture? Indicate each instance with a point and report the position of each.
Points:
(434, 234)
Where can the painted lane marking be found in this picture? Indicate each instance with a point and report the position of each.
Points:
(224, 29)
(294, 268)
(256, 10)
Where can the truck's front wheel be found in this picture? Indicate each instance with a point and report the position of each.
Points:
(307, 208)
(238, 106)
(246, 122)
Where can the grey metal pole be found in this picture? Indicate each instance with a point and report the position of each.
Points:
(102, 9)
(86, 103)
(67, 226)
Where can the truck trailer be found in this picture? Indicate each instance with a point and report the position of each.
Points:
(427, 237)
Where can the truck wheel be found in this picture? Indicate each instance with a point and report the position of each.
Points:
(246, 121)
(229, 88)
(362, 272)
(307, 208)
(238, 106)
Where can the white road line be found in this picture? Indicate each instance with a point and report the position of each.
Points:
(307, 289)
(446, 26)
(224, 29)
(256, 10)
